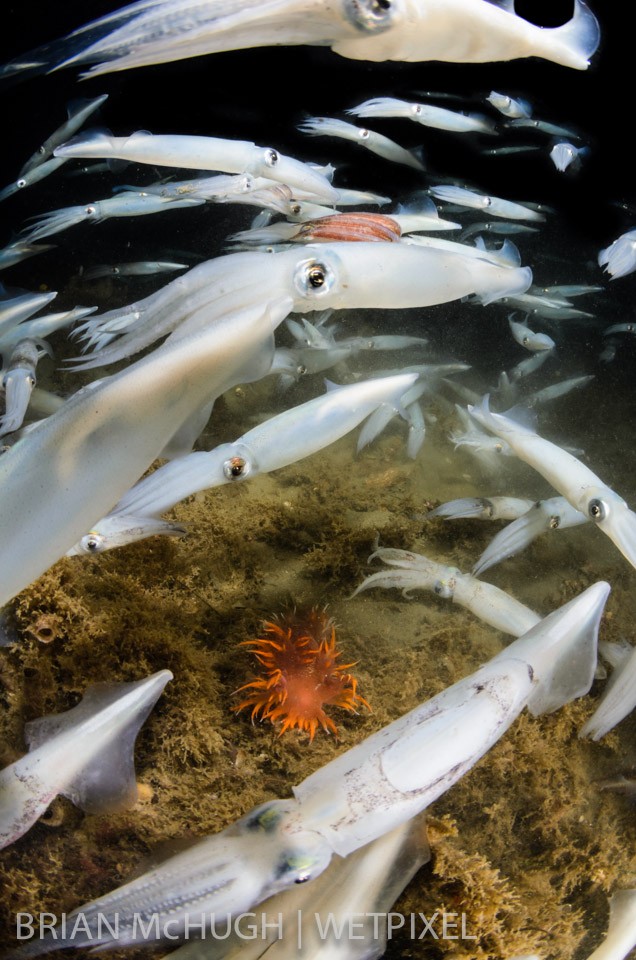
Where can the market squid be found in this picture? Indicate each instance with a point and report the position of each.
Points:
(464, 31)
(553, 514)
(424, 113)
(69, 470)
(412, 571)
(85, 754)
(291, 436)
(200, 153)
(352, 227)
(482, 508)
(337, 275)
(18, 382)
(360, 796)
(582, 488)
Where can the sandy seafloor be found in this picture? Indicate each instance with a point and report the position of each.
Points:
(527, 845)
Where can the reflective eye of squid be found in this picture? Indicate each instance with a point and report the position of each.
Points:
(499, 447)
(92, 543)
(554, 522)
(21, 183)
(369, 14)
(90, 211)
(313, 278)
(296, 209)
(235, 468)
(364, 134)
(597, 510)
(271, 158)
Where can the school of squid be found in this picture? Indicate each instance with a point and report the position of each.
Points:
(177, 380)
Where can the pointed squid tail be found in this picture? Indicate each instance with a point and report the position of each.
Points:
(574, 43)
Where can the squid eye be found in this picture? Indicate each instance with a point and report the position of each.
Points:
(597, 510)
(271, 158)
(316, 276)
(295, 208)
(370, 15)
(90, 211)
(92, 543)
(364, 134)
(554, 522)
(313, 278)
(21, 183)
(32, 381)
(235, 468)
(417, 109)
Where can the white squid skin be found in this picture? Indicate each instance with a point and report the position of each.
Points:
(66, 746)
(582, 488)
(553, 514)
(484, 600)
(116, 531)
(464, 31)
(619, 258)
(527, 338)
(426, 114)
(375, 142)
(482, 508)
(78, 113)
(337, 275)
(66, 473)
(291, 436)
(509, 106)
(360, 796)
(201, 153)
(18, 382)
(121, 205)
(13, 310)
(495, 206)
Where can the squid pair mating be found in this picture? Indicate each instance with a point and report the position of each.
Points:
(357, 798)
(465, 31)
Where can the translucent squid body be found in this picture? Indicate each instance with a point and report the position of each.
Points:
(495, 206)
(66, 474)
(527, 338)
(582, 488)
(375, 142)
(465, 31)
(201, 153)
(553, 514)
(509, 106)
(487, 602)
(424, 113)
(360, 796)
(121, 205)
(337, 275)
(18, 382)
(482, 508)
(619, 258)
(279, 441)
(85, 754)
